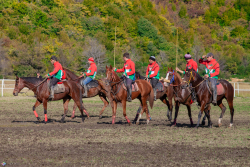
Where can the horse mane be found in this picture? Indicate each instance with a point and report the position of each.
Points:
(33, 80)
(138, 75)
(178, 76)
(70, 74)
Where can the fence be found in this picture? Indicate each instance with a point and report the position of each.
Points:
(240, 88)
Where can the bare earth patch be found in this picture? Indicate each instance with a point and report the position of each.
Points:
(25, 142)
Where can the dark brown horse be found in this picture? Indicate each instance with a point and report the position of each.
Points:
(167, 93)
(181, 96)
(72, 90)
(204, 96)
(92, 92)
(119, 94)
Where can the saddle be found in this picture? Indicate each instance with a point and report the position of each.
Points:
(159, 86)
(59, 87)
(91, 84)
(135, 87)
(220, 88)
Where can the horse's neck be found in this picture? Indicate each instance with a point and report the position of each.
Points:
(116, 78)
(71, 76)
(197, 81)
(29, 85)
(176, 80)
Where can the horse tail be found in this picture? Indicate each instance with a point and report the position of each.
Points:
(80, 98)
(151, 98)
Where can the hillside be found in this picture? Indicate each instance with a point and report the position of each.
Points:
(31, 31)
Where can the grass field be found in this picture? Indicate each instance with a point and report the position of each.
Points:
(25, 142)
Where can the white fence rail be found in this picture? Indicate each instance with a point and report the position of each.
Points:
(6, 84)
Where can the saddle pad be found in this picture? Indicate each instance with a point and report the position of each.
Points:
(220, 89)
(59, 88)
(159, 87)
(134, 87)
(92, 84)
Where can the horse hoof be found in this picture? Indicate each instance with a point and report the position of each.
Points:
(196, 127)
(72, 117)
(100, 116)
(62, 121)
(203, 123)
(219, 125)
(129, 123)
(137, 123)
(173, 125)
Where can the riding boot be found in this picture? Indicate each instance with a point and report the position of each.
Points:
(194, 96)
(85, 91)
(214, 97)
(155, 91)
(129, 99)
(52, 91)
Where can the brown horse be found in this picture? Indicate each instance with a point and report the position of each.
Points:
(119, 94)
(92, 92)
(166, 93)
(204, 97)
(181, 96)
(41, 90)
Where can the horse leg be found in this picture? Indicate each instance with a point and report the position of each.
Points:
(200, 113)
(232, 112)
(65, 106)
(177, 105)
(124, 112)
(114, 112)
(223, 109)
(34, 110)
(45, 111)
(204, 120)
(165, 101)
(207, 113)
(106, 103)
(73, 112)
(138, 112)
(190, 115)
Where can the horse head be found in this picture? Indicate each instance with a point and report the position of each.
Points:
(105, 85)
(170, 77)
(19, 85)
(189, 77)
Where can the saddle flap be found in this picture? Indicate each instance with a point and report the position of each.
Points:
(135, 87)
(159, 86)
(92, 84)
(59, 88)
(220, 89)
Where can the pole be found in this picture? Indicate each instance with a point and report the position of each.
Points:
(238, 89)
(176, 47)
(115, 46)
(2, 86)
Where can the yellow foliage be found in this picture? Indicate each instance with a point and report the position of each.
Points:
(165, 20)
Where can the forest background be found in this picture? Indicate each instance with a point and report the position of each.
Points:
(31, 31)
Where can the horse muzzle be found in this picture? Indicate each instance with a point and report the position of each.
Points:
(15, 93)
(184, 86)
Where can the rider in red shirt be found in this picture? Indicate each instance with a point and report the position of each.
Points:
(191, 64)
(212, 72)
(55, 75)
(129, 73)
(153, 73)
(90, 75)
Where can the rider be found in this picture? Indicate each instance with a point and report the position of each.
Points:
(153, 73)
(212, 72)
(191, 64)
(91, 72)
(129, 72)
(56, 75)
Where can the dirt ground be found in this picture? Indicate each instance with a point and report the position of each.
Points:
(95, 142)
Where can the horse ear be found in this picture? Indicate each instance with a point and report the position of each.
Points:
(168, 68)
(110, 67)
(106, 67)
(17, 77)
(171, 69)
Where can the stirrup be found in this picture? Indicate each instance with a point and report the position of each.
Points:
(129, 99)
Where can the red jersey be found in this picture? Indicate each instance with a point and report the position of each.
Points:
(212, 67)
(92, 70)
(128, 69)
(153, 70)
(191, 64)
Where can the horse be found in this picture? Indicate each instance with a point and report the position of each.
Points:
(119, 94)
(166, 93)
(92, 92)
(204, 97)
(41, 90)
(181, 96)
